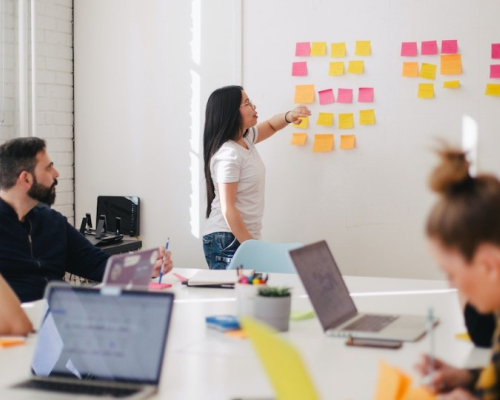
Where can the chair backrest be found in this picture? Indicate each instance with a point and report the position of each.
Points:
(264, 256)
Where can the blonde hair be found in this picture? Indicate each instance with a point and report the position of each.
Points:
(467, 213)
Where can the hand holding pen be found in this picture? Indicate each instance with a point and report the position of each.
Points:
(167, 264)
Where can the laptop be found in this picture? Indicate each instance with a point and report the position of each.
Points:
(98, 342)
(334, 306)
(130, 270)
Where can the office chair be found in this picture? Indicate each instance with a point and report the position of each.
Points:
(264, 256)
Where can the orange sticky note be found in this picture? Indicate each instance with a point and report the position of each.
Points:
(299, 139)
(318, 49)
(304, 94)
(363, 48)
(392, 383)
(346, 121)
(236, 334)
(338, 49)
(492, 89)
(347, 142)
(366, 117)
(355, 67)
(303, 123)
(325, 119)
(451, 84)
(410, 69)
(14, 341)
(418, 393)
(323, 143)
(428, 71)
(336, 68)
(451, 64)
(425, 90)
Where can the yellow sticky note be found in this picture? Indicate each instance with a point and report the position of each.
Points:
(303, 123)
(451, 84)
(338, 50)
(492, 89)
(346, 121)
(392, 384)
(366, 117)
(355, 67)
(418, 393)
(428, 71)
(304, 94)
(347, 142)
(299, 139)
(336, 68)
(410, 69)
(363, 48)
(425, 90)
(325, 119)
(323, 143)
(318, 48)
(451, 64)
(282, 363)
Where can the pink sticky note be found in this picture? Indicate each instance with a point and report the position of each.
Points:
(495, 50)
(303, 49)
(409, 49)
(429, 48)
(365, 95)
(159, 286)
(495, 71)
(326, 96)
(345, 96)
(449, 47)
(299, 68)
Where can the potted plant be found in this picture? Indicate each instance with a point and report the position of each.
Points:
(272, 306)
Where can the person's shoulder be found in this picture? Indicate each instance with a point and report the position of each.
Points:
(228, 151)
(44, 211)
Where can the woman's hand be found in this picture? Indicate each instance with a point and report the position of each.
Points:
(443, 377)
(297, 114)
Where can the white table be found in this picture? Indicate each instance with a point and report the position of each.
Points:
(204, 364)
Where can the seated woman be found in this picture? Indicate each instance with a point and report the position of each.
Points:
(13, 320)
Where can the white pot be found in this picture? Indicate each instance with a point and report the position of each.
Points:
(274, 311)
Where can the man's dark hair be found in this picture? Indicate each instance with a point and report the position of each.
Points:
(18, 155)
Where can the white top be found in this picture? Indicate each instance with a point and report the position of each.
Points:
(234, 163)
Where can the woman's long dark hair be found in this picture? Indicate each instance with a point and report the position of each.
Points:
(222, 123)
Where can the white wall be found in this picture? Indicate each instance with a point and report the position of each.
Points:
(143, 72)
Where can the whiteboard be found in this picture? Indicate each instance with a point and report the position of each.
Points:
(370, 203)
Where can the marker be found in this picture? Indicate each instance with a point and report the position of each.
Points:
(163, 263)
(430, 332)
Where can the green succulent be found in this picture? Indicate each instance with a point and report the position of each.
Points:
(270, 291)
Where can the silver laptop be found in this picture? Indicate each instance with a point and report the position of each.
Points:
(334, 306)
(98, 343)
(130, 270)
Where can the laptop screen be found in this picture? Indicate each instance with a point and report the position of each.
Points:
(130, 269)
(87, 334)
(324, 284)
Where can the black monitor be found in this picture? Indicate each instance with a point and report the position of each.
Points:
(124, 207)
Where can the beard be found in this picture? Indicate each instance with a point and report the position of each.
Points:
(43, 194)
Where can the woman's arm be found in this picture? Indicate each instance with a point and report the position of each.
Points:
(13, 320)
(227, 193)
(271, 126)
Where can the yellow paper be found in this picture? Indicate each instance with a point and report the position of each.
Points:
(451, 64)
(346, 121)
(392, 384)
(336, 68)
(347, 142)
(299, 139)
(425, 90)
(318, 48)
(366, 117)
(323, 143)
(428, 71)
(363, 48)
(410, 69)
(492, 89)
(338, 49)
(355, 67)
(418, 393)
(282, 363)
(451, 84)
(462, 336)
(325, 119)
(304, 94)
(303, 123)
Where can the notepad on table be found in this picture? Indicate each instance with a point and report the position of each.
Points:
(216, 278)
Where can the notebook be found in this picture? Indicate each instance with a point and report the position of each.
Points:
(334, 306)
(221, 278)
(98, 342)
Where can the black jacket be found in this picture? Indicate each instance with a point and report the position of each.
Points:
(42, 249)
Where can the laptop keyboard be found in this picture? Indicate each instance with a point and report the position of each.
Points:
(63, 387)
(370, 323)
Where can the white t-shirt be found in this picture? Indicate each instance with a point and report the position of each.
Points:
(234, 163)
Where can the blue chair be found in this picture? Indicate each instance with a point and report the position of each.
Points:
(264, 256)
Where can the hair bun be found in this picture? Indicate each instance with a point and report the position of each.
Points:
(451, 173)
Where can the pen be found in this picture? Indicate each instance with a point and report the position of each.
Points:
(163, 263)
(430, 332)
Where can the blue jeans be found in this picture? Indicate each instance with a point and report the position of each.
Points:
(219, 248)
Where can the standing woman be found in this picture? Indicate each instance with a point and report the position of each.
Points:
(234, 171)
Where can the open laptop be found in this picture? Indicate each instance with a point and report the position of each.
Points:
(130, 270)
(98, 342)
(334, 306)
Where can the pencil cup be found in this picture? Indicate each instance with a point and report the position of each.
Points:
(245, 298)
(274, 311)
